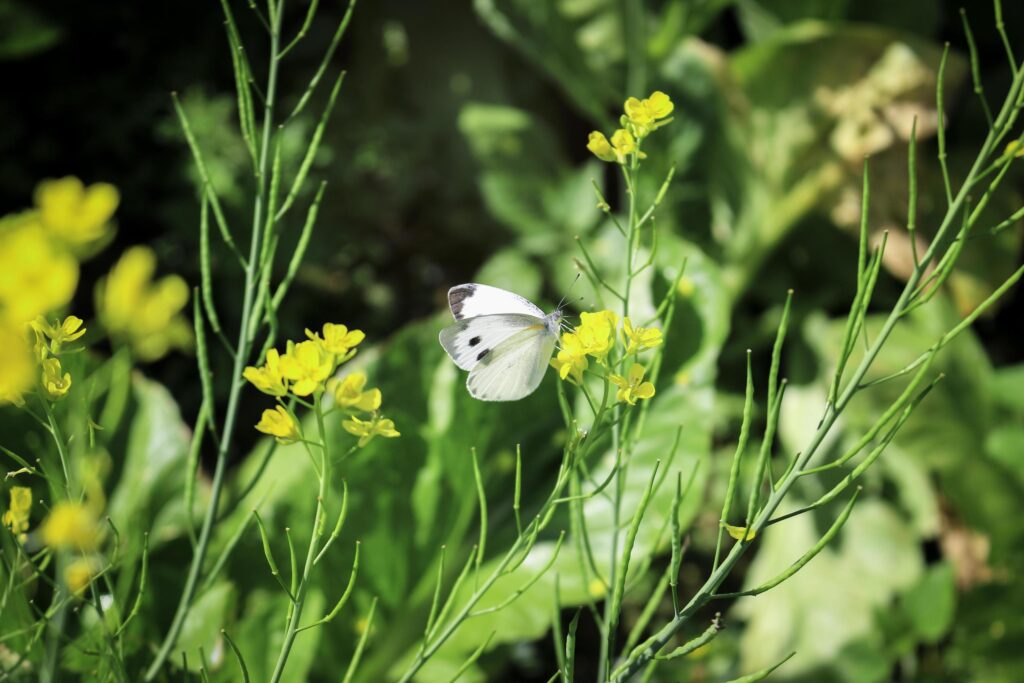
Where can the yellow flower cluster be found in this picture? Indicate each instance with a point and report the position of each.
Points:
(594, 339)
(640, 119)
(39, 252)
(17, 514)
(50, 339)
(141, 312)
(72, 526)
(38, 271)
(17, 366)
(305, 366)
(75, 214)
(632, 386)
(37, 275)
(367, 429)
(304, 370)
(58, 333)
(80, 573)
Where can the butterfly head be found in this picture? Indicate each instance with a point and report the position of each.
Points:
(553, 321)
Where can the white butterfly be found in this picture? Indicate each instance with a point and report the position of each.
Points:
(501, 338)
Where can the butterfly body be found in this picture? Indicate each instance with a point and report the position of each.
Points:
(503, 340)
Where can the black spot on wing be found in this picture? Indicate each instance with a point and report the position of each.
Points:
(474, 341)
(456, 297)
(482, 354)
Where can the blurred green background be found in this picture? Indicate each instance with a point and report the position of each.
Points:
(458, 152)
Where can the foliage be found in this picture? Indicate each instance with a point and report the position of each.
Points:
(813, 183)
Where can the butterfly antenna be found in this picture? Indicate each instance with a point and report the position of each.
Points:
(562, 302)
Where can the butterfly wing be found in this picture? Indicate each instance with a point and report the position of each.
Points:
(470, 340)
(514, 368)
(471, 300)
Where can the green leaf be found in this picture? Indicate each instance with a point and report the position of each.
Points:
(510, 270)
(208, 615)
(1007, 388)
(527, 184)
(832, 601)
(148, 493)
(931, 603)
(1004, 444)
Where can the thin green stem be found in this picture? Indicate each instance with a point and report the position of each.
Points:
(58, 439)
(243, 349)
(292, 629)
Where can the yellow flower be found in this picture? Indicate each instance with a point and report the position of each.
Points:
(597, 332)
(17, 367)
(367, 429)
(280, 424)
(595, 337)
(16, 517)
(571, 360)
(59, 333)
(643, 113)
(348, 393)
(337, 339)
(1014, 148)
(71, 525)
(268, 379)
(54, 383)
(80, 573)
(74, 213)
(623, 144)
(640, 338)
(307, 364)
(141, 312)
(633, 386)
(596, 588)
(36, 276)
(739, 532)
(598, 144)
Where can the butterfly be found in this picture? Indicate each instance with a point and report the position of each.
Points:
(503, 340)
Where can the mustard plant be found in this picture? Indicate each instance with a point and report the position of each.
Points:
(767, 488)
(307, 365)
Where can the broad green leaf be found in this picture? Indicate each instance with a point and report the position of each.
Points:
(527, 184)
(153, 473)
(931, 603)
(831, 602)
(511, 270)
(208, 615)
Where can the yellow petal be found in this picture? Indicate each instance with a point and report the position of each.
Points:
(659, 105)
(598, 144)
(636, 374)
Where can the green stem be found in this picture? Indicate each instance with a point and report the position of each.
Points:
(292, 628)
(610, 619)
(525, 540)
(55, 628)
(243, 349)
(58, 438)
